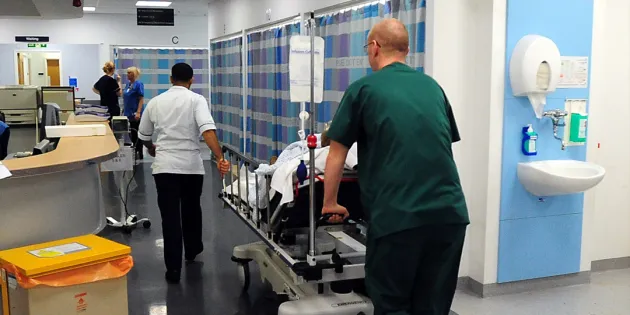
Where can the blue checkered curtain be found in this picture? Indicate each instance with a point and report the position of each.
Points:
(226, 91)
(345, 34)
(272, 120)
(155, 65)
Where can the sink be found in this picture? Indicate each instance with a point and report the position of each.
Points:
(559, 177)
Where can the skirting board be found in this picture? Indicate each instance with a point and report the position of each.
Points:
(610, 264)
(495, 289)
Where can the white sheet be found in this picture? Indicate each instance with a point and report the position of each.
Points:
(283, 179)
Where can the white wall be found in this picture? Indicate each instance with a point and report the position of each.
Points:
(606, 231)
(38, 64)
(226, 17)
(80, 61)
(107, 30)
(466, 55)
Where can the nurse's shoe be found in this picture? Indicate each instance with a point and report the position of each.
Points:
(173, 276)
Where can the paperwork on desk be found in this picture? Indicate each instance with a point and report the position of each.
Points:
(4, 171)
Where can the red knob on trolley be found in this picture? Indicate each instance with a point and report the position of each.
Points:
(311, 141)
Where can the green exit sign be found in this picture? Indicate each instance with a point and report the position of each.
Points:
(37, 45)
(43, 45)
(32, 45)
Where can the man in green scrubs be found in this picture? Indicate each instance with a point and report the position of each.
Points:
(410, 187)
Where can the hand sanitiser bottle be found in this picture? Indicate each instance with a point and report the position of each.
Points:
(529, 141)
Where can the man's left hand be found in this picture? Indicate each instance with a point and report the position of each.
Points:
(137, 116)
(152, 151)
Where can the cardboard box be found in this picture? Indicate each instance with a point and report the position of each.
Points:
(106, 297)
(84, 275)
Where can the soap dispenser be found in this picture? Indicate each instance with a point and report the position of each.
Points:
(529, 141)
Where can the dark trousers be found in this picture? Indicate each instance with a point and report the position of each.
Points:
(135, 124)
(4, 143)
(179, 199)
(415, 272)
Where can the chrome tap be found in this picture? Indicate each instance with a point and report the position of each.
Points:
(557, 117)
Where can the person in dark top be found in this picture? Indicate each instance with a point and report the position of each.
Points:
(404, 127)
(5, 134)
(109, 89)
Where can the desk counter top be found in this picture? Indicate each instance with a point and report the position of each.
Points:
(71, 153)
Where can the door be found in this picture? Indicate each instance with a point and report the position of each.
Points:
(20, 69)
(27, 69)
(53, 72)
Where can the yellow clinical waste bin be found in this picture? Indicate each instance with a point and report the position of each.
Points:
(84, 275)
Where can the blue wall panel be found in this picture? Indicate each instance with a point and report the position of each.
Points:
(541, 239)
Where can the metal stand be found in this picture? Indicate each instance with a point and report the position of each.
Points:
(127, 221)
(312, 145)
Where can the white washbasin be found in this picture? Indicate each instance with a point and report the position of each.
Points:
(559, 177)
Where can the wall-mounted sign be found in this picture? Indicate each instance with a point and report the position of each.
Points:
(32, 39)
(156, 17)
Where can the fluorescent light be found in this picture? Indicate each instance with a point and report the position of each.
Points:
(89, 9)
(161, 4)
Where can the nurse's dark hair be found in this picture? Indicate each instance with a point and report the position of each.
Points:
(182, 72)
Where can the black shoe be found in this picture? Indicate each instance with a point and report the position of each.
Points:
(173, 276)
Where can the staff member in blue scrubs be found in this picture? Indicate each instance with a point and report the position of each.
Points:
(5, 133)
(133, 96)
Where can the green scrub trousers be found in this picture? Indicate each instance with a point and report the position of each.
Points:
(414, 272)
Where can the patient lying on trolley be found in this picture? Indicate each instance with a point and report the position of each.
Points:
(283, 172)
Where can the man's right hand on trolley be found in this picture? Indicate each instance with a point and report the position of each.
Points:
(224, 166)
(339, 213)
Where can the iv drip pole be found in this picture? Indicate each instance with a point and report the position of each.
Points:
(312, 144)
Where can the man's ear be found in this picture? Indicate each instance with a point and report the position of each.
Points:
(172, 81)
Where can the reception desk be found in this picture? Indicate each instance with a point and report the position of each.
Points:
(55, 195)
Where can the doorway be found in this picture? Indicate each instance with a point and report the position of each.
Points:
(39, 68)
(52, 67)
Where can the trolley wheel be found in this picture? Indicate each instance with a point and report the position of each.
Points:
(244, 275)
(146, 224)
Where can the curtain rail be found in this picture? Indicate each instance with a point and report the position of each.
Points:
(343, 6)
(159, 47)
(281, 22)
(226, 37)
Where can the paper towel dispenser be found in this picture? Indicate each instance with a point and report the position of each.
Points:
(535, 69)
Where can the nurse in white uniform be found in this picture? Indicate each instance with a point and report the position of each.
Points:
(176, 118)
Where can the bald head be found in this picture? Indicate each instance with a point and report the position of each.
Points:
(391, 35)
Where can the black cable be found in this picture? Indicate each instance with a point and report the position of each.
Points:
(133, 175)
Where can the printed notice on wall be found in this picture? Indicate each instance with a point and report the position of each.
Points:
(574, 73)
(300, 69)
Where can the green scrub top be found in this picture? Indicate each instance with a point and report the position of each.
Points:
(404, 127)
